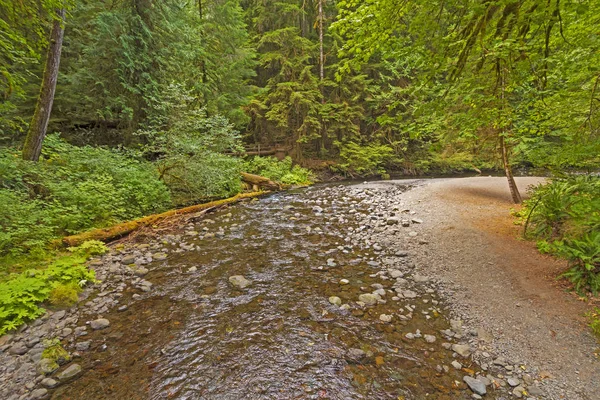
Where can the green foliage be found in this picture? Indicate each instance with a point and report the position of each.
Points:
(365, 160)
(565, 215)
(189, 147)
(72, 189)
(283, 171)
(21, 294)
(594, 318)
(64, 294)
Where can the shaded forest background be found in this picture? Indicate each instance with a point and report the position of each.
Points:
(408, 87)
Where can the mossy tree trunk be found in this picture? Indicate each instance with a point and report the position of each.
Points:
(39, 123)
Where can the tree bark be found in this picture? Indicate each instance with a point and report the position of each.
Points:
(39, 123)
(514, 190)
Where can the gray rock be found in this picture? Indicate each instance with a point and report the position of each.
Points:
(409, 294)
(100, 323)
(49, 383)
(46, 366)
(385, 318)
(82, 346)
(464, 350)
(535, 391)
(39, 393)
(239, 281)
(518, 392)
(475, 385)
(416, 221)
(369, 299)
(393, 221)
(18, 349)
(512, 381)
(69, 373)
(456, 364)
(355, 355)
(128, 260)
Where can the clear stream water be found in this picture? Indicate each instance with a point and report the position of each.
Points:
(195, 336)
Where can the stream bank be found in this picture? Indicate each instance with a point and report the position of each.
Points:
(326, 292)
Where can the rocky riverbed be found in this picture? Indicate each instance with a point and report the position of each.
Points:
(316, 293)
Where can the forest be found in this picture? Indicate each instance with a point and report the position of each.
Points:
(117, 109)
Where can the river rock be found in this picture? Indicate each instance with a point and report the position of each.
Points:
(239, 281)
(385, 318)
(336, 301)
(429, 338)
(513, 381)
(49, 383)
(46, 366)
(69, 373)
(38, 393)
(475, 385)
(100, 323)
(18, 349)
(344, 281)
(355, 355)
(464, 350)
(128, 260)
(369, 299)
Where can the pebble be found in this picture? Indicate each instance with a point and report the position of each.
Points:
(18, 349)
(344, 281)
(456, 364)
(336, 301)
(429, 338)
(239, 281)
(369, 299)
(385, 318)
(49, 383)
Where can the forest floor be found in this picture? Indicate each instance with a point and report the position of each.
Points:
(501, 283)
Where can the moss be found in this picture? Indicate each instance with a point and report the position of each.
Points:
(64, 294)
(55, 352)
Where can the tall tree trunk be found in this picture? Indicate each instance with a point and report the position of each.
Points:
(322, 73)
(39, 123)
(514, 190)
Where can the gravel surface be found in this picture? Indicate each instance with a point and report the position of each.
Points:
(499, 285)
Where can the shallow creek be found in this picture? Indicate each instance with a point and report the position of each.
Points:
(196, 336)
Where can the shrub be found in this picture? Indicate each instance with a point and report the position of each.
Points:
(22, 293)
(364, 160)
(279, 171)
(565, 216)
(72, 189)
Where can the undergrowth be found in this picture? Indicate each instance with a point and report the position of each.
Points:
(21, 294)
(283, 171)
(564, 217)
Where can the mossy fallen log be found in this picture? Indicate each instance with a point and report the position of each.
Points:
(122, 229)
(260, 181)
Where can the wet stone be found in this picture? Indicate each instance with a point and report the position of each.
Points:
(18, 349)
(100, 323)
(39, 393)
(69, 373)
(475, 385)
(239, 281)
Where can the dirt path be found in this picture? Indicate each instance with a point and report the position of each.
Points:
(501, 283)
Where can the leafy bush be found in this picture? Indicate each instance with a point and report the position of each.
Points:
(189, 148)
(279, 171)
(72, 189)
(364, 160)
(22, 293)
(594, 318)
(565, 216)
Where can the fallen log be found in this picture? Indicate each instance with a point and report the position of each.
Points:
(122, 229)
(260, 182)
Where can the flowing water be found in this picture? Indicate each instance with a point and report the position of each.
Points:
(195, 336)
